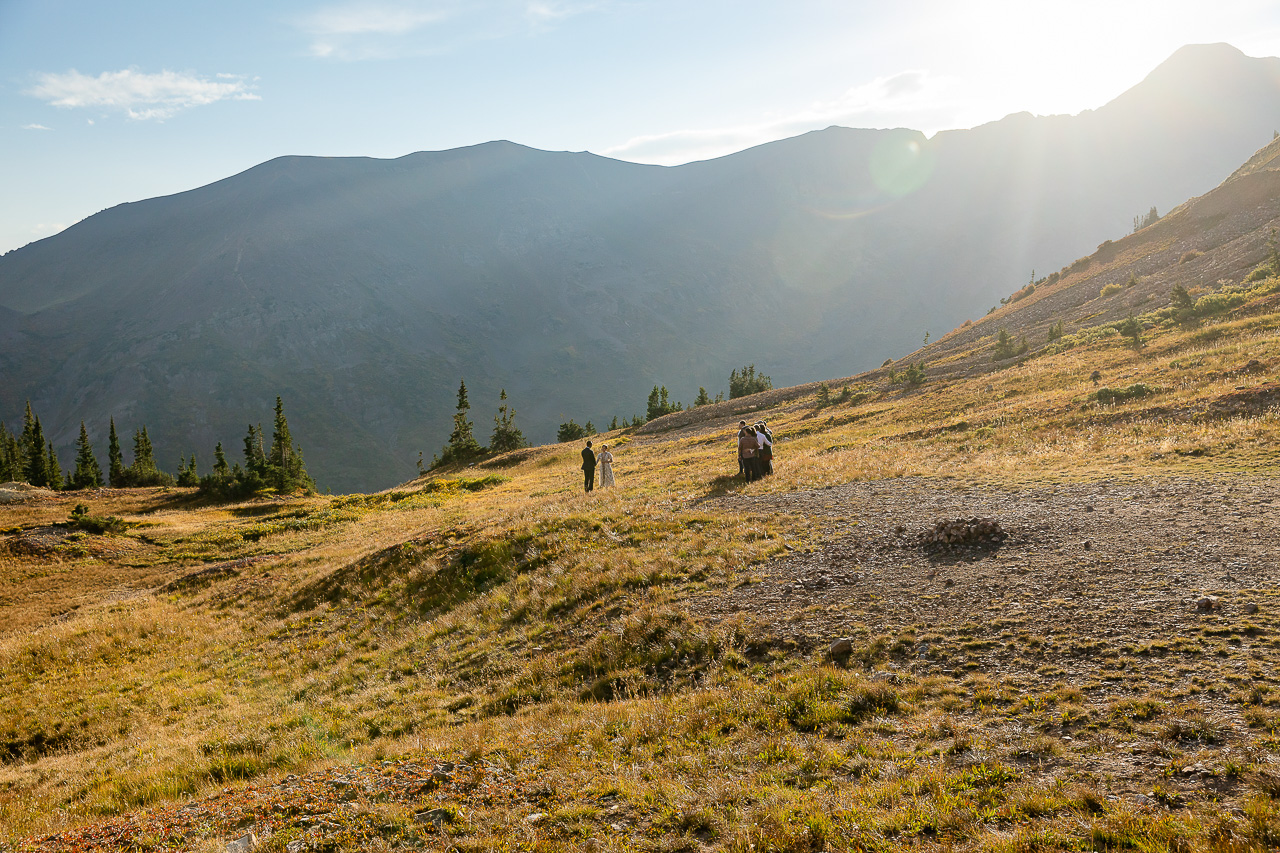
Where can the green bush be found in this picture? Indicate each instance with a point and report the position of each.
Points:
(1109, 290)
(81, 520)
(1108, 396)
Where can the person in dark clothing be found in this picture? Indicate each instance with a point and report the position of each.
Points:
(588, 467)
(747, 448)
(742, 468)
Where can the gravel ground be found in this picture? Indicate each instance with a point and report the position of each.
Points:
(1108, 562)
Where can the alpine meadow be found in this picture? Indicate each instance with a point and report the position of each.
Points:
(1011, 587)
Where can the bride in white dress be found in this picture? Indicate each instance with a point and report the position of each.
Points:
(606, 467)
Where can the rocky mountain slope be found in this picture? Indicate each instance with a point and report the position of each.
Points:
(362, 290)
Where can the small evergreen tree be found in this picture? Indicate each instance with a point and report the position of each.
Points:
(220, 467)
(187, 475)
(570, 431)
(824, 395)
(285, 469)
(613, 424)
(115, 459)
(88, 474)
(703, 399)
(12, 465)
(36, 471)
(1131, 328)
(462, 446)
(53, 471)
(506, 435)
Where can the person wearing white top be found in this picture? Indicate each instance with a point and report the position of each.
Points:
(764, 455)
(606, 467)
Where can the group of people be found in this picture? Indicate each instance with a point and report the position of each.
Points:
(589, 462)
(755, 457)
(755, 450)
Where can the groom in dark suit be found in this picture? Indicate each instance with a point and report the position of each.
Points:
(589, 467)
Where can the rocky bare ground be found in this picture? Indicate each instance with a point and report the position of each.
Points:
(1106, 562)
(1154, 590)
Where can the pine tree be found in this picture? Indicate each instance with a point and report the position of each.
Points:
(187, 474)
(53, 471)
(703, 399)
(144, 460)
(284, 463)
(255, 459)
(144, 471)
(462, 446)
(36, 467)
(115, 459)
(506, 435)
(220, 468)
(11, 461)
(281, 440)
(88, 474)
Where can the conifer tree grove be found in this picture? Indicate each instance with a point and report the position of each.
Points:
(115, 459)
(88, 474)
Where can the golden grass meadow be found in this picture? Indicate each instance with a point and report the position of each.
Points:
(650, 667)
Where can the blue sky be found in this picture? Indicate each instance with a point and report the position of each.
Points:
(103, 103)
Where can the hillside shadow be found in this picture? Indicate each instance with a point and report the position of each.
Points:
(725, 484)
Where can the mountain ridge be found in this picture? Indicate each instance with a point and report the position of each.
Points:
(363, 289)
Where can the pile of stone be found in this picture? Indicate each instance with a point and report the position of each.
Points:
(961, 532)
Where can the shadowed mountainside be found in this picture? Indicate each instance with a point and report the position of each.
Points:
(362, 289)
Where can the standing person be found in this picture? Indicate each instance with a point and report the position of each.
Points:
(742, 468)
(588, 467)
(606, 466)
(747, 447)
(764, 455)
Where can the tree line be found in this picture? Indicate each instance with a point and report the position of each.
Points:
(463, 447)
(29, 456)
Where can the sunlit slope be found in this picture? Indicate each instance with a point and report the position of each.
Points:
(638, 667)
(362, 290)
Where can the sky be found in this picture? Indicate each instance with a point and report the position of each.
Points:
(105, 103)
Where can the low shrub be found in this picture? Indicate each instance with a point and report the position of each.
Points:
(1109, 396)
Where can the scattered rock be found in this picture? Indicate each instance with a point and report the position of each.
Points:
(536, 818)
(842, 647)
(243, 844)
(950, 533)
(1207, 604)
(1251, 608)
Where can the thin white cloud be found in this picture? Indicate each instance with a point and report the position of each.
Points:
(369, 30)
(391, 29)
(907, 99)
(543, 12)
(139, 95)
(35, 127)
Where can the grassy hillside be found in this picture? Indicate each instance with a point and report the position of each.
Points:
(489, 659)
